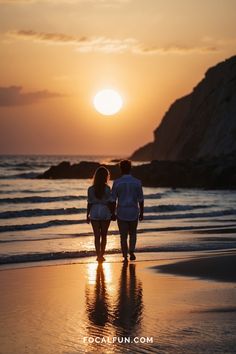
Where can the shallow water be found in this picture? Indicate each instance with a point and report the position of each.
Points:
(47, 218)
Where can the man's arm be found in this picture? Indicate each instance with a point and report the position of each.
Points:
(141, 207)
(112, 204)
(141, 202)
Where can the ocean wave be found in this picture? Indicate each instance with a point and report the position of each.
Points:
(154, 195)
(51, 223)
(43, 225)
(210, 214)
(27, 175)
(51, 237)
(39, 199)
(50, 256)
(174, 207)
(40, 212)
(23, 191)
(24, 165)
(65, 211)
(37, 257)
(206, 229)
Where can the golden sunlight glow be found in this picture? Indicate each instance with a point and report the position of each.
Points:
(95, 271)
(108, 102)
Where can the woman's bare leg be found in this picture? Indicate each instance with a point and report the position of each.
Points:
(104, 229)
(97, 236)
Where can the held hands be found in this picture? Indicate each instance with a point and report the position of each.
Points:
(113, 217)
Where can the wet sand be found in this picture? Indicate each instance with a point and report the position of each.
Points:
(63, 308)
(220, 267)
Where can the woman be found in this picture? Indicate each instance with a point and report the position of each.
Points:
(99, 210)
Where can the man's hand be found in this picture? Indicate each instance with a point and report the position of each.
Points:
(88, 219)
(141, 217)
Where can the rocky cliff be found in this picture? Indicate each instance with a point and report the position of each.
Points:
(201, 124)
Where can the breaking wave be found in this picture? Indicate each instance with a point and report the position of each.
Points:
(39, 199)
(48, 256)
(67, 211)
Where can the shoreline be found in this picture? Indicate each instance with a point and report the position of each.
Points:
(170, 260)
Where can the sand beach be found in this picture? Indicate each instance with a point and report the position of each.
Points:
(91, 308)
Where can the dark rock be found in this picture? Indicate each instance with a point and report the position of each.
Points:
(212, 173)
(82, 170)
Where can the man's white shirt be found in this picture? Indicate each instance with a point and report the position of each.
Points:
(128, 192)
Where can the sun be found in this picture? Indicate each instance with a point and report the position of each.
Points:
(108, 102)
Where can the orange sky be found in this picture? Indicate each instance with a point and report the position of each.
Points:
(56, 54)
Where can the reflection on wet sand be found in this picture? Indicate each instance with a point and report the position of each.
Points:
(116, 304)
(97, 299)
(129, 304)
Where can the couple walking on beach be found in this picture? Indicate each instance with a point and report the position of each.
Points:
(123, 203)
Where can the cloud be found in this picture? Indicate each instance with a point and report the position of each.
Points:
(108, 45)
(12, 96)
(96, 2)
(177, 49)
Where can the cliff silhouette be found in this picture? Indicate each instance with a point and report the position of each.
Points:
(200, 125)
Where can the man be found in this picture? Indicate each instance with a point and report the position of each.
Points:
(127, 192)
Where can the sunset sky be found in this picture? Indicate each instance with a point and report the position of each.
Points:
(56, 55)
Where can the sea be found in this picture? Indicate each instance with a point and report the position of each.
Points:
(45, 220)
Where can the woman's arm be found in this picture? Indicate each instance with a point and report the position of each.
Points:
(88, 212)
(89, 204)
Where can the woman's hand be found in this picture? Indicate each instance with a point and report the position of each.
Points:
(88, 219)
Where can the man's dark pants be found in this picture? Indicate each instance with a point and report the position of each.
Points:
(127, 228)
